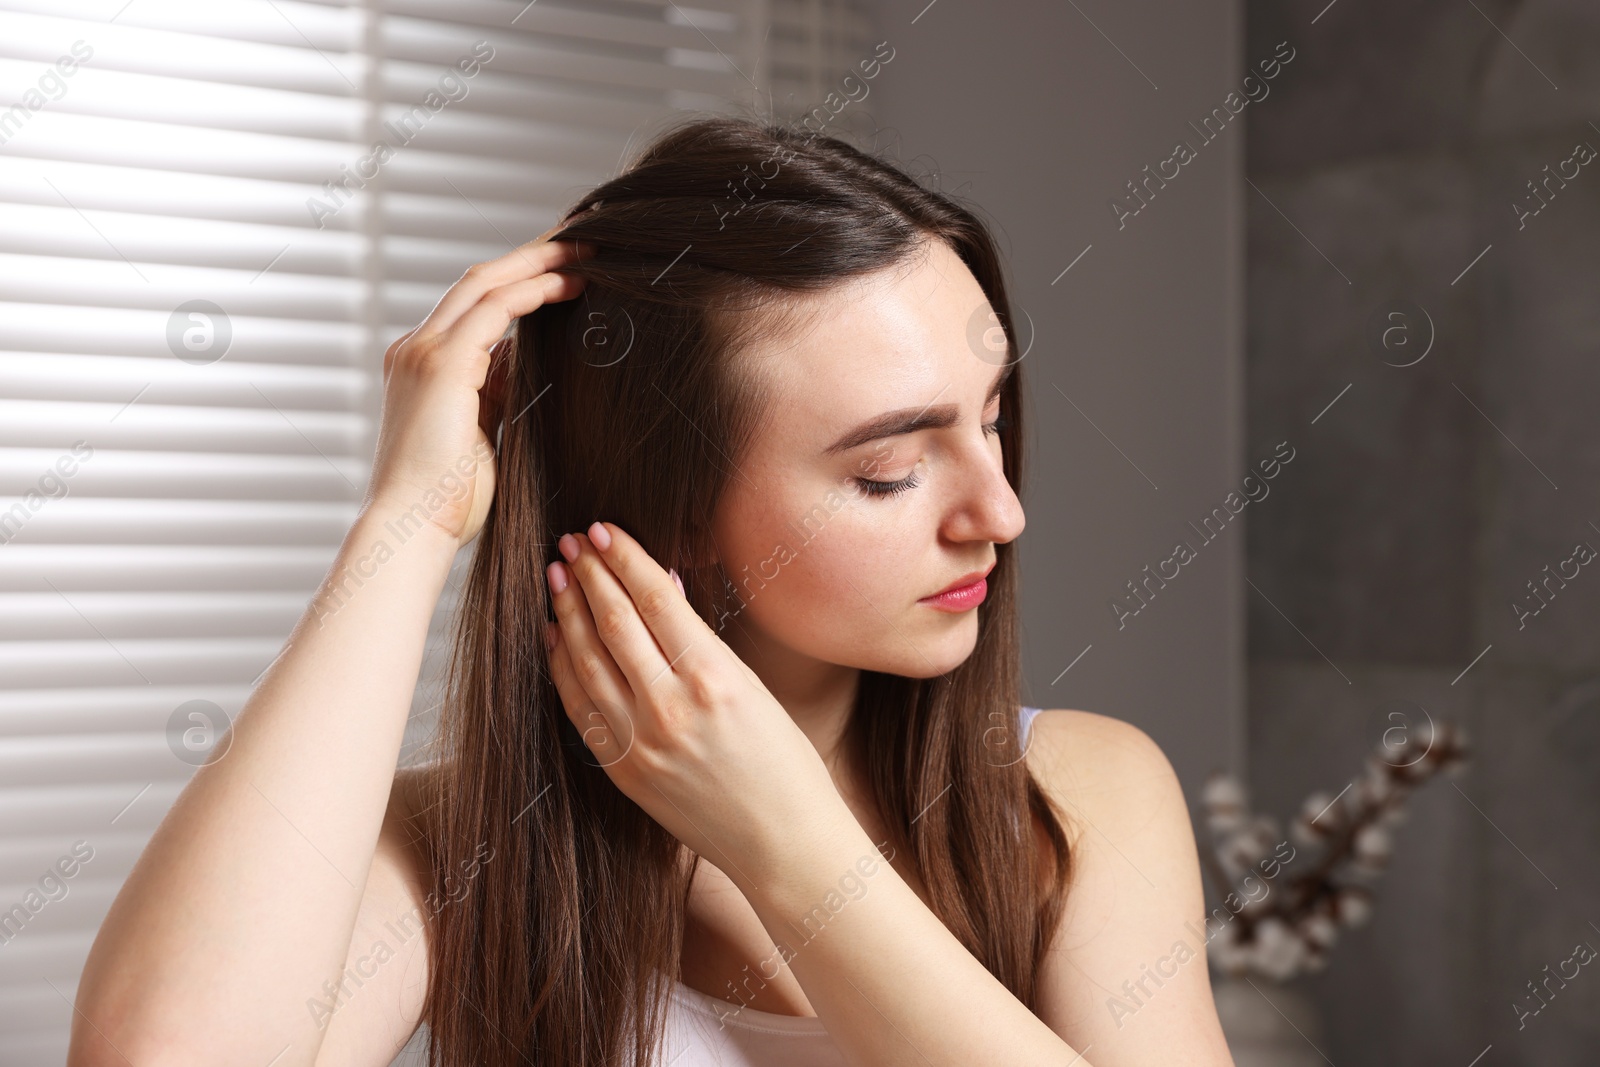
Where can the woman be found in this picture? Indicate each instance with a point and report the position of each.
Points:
(761, 785)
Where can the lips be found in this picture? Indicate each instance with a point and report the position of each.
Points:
(963, 582)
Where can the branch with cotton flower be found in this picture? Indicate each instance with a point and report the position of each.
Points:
(1282, 934)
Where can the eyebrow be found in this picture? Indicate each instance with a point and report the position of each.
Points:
(910, 420)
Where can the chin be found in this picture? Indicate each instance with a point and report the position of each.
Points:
(935, 653)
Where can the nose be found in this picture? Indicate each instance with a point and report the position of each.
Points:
(986, 507)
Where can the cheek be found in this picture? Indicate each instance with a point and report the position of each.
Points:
(811, 571)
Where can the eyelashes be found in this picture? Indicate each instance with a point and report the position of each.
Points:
(911, 481)
(872, 488)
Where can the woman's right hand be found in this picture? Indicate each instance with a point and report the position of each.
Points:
(441, 384)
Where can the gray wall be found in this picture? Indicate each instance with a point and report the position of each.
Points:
(1429, 495)
(1383, 566)
(1135, 374)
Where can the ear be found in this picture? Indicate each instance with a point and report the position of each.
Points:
(703, 552)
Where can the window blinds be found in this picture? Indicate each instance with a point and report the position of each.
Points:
(203, 255)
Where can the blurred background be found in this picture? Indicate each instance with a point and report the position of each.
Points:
(1307, 295)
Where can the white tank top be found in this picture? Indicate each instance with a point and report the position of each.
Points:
(706, 1031)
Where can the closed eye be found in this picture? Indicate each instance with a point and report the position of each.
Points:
(911, 481)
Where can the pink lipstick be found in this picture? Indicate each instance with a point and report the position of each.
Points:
(966, 594)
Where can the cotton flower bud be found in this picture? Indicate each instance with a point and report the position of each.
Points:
(1316, 805)
(1251, 844)
(1279, 949)
(1258, 904)
(1319, 930)
(1225, 804)
(1323, 813)
(1257, 839)
(1352, 905)
(1373, 846)
(1418, 737)
(1222, 824)
(1312, 825)
(1377, 784)
(1229, 956)
(1223, 796)
(1238, 853)
(1417, 769)
(1455, 754)
(1223, 791)
(1303, 832)
(1316, 960)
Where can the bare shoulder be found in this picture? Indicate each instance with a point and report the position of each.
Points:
(1092, 764)
(377, 1005)
(1134, 901)
(1091, 728)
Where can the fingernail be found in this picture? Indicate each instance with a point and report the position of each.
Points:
(569, 547)
(600, 536)
(557, 576)
(676, 580)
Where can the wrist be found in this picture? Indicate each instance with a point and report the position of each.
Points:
(396, 529)
(384, 546)
(829, 859)
(385, 572)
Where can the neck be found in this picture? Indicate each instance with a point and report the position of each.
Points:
(817, 695)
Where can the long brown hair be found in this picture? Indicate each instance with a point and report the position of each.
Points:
(628, 404)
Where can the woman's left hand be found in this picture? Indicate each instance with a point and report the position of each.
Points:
(676, 719)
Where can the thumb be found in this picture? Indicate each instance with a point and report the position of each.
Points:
(492, 397)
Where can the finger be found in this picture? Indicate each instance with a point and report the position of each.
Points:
(594, 668)
(587, 716)
(530, 260)
(479, 329)
(618, 622)
(492, 397)
(665, 619)
(561, 672)
(393, 350)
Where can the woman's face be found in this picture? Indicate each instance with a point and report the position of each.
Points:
(883, 388)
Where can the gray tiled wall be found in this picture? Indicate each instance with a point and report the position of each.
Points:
(1428, 496)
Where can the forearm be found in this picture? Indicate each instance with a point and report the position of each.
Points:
(891, 982)
(245, 897)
